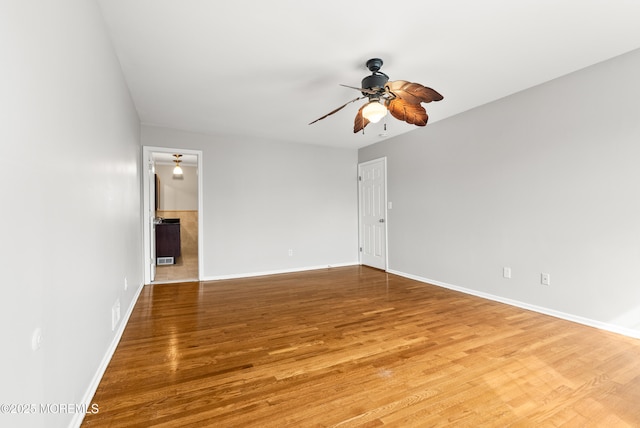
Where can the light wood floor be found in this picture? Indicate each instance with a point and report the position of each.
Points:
(356, 347)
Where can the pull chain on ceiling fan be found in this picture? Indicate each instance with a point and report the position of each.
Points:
(400, 98)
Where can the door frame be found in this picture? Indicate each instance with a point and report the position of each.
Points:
(385, 210)
(148, 259)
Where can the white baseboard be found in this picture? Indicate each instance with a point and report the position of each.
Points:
(562, 315)
(97, 377)
(278, 271)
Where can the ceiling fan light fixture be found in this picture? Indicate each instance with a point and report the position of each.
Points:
(401, 98)
(374, 111)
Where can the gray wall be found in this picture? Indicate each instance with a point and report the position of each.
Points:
(178, 193)
(262, 198)
(70, 203)
(546, 180)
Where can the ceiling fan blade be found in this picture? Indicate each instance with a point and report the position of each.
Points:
(365, 90)
(360, 122)
(413, 114)
(336, 110)
(413, 93)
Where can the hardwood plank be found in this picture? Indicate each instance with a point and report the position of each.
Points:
(357, 347)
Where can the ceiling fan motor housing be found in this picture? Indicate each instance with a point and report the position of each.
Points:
(375, 81)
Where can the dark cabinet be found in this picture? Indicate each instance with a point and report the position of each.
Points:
(168, 240)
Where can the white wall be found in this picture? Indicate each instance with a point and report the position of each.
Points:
(70, 202)
(262, 198)
(178, 193)
(546, 180)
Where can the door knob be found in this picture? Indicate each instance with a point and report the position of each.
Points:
(381, 220)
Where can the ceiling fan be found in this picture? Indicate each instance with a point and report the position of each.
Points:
(400, 98)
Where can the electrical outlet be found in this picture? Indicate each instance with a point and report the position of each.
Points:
(290, 252)
(545, 279)
(115, 314)
(506, 272)
(126, 284)
(36, 339)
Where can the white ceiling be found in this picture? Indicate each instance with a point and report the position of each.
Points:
(266, 68)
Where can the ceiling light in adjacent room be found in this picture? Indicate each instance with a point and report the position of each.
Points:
(177, 170)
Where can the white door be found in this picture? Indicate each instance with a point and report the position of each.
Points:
(373, 213)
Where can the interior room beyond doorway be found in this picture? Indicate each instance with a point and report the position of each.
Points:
(177, 200)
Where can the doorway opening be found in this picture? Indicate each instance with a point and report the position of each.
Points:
(172, 215)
